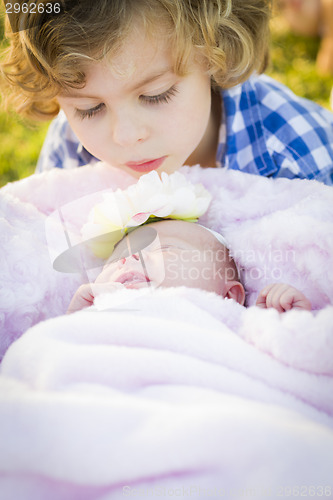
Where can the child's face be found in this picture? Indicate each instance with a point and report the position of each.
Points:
(178, 256)
(137, 114)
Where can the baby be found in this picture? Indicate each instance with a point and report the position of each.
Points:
(172, 253)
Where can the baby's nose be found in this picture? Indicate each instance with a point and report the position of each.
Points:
(134, 256)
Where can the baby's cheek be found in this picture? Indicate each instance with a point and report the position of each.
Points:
(172, 273)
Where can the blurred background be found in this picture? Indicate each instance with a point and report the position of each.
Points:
(293, 62)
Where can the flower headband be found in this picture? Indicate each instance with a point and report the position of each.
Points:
(151, 198)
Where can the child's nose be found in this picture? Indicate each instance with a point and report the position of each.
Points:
(128, 130)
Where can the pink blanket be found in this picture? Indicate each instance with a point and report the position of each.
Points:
(175, 392)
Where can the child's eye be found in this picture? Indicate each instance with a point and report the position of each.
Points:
(165, 97)
(89, 113)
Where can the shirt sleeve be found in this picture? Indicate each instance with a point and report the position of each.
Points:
(272, 132)
(292, 169)
(61, 148)
(298, 133)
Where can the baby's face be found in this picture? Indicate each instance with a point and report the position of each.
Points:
(169, 254)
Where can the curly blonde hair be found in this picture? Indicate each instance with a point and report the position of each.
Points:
(49, 53)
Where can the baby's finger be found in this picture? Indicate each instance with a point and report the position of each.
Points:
(287, 299)
(274, 296)
(294, 299)
(83, 297)
(261, 300)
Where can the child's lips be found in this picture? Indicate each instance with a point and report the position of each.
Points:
(146, 165)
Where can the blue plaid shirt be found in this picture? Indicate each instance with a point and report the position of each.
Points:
(266, 130)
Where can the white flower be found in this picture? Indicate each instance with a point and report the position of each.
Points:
(171, 196)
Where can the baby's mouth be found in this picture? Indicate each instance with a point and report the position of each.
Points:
(132, 278)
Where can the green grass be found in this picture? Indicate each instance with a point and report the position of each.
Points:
(19, 148)
(292, 62)
(20, 142)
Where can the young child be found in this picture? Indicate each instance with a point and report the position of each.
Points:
(172, 253)
(155, 84)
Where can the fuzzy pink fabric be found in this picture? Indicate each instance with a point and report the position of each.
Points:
(146, 391)
(175, 392)
(277, 230)
(30, 289)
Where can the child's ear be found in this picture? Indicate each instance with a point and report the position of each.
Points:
(235, 290)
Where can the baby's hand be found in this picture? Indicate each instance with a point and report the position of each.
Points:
(282, 297)
(85, 295)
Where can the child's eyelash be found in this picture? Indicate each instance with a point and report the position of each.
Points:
(89, 113)
(165, 97)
